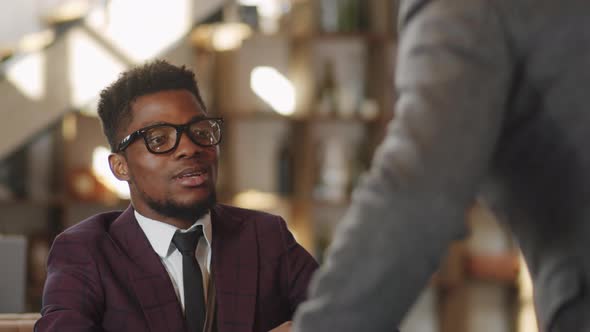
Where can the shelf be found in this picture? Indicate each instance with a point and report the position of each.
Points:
(373, 37)
(319, 203)
(369, 36)
(302, 117)
(344, 119)
(251, 199)
(233, 115)
(270, 200)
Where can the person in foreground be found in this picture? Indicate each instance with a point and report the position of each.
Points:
(494, 105)
(174, 260)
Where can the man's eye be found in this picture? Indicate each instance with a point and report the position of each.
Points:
(157, 140)
(202, 133)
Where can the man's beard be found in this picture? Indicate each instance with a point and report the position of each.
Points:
(192, 212)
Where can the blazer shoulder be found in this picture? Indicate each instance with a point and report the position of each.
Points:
(267, 225)
(92, 227)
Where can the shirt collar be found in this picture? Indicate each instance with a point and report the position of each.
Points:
(160, 233)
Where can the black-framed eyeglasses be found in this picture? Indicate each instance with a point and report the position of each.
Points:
(164, 137)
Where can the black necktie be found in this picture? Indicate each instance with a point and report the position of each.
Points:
(194, 297)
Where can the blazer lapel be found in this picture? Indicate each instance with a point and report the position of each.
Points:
(147, 276)
(235, 269)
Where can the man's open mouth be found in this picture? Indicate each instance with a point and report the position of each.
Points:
(192, 177)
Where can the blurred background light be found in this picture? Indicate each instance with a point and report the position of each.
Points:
(91, 68)
(262, 201)
(221, 36)
(229, 36)
(269, 12)
(28, 75)
(257, 200)
(142, 29)
(274, 88)
(102, 172)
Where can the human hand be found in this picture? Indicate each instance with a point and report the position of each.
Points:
(285, 327)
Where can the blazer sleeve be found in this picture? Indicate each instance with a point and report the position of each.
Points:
(72, 296)
(453, 75)
(298, 266)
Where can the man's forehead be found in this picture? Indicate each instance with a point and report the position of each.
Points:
(176, 106)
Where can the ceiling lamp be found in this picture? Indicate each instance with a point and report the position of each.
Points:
(69, 11)
(36, 41)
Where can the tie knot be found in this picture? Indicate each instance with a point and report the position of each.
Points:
(186, 243)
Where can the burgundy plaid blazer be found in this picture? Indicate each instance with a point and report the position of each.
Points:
(103, 275)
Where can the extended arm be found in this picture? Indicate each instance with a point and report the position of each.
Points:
(452, 76)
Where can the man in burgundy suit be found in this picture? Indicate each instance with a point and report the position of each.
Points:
(127, 271)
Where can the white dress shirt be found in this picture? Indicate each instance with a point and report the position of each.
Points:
(160, 236)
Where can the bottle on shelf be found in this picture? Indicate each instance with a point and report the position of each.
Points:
(347, 15)
(333, 178)
(329, 16)
(328, 91)
(285, 167)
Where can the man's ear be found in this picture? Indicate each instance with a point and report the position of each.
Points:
(118, 165)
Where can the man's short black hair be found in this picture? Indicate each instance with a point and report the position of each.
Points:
(114, 106)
